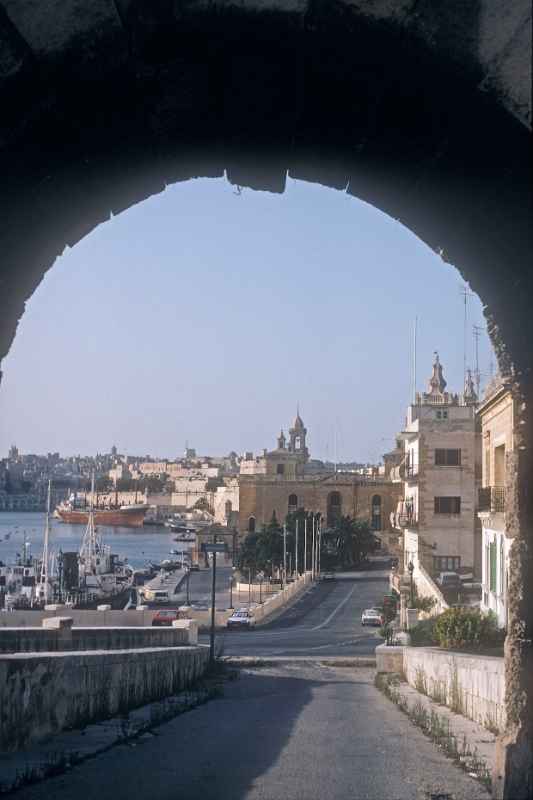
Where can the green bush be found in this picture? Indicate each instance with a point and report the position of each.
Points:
(423, 634)
(466, 628)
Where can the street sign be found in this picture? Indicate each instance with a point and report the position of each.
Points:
(214, 547)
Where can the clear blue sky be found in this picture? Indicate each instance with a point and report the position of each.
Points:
(204, 315)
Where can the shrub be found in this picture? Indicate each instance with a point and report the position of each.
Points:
(423, 634)
(466, 628)
(425, 604)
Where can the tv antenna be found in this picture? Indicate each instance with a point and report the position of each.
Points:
(476, 333)
(466, 294)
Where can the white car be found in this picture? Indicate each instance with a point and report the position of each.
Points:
(371, 616)
(242, 618)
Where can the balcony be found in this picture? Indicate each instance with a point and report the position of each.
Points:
(401, 520)
(491, 500)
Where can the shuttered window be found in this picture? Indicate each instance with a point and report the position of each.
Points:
(493, 566)
(447, 505)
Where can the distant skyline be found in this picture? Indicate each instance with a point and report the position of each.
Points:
(203, 315)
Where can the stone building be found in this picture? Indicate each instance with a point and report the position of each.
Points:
(496, 417)
(439, 474)
(278, 482)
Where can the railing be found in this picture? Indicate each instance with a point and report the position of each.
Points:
(411, 470)
(492, 499)
(404, 520)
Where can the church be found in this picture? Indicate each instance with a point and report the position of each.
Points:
(285, 479)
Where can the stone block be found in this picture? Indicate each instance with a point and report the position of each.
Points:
(58, 623)
(389, 658)
(54, 607)
(103, 607)
(191, 626)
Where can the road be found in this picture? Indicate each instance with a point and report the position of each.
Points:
(290, 732)
(326, 621)
(301, 730)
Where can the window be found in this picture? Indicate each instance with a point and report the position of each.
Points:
(447, 505)
(280, 469)
(502, 568)
(447, 458)
(441, 414)
(492, 559)
(376, 513)
(251, 525)
(293, 501)
(446, 563)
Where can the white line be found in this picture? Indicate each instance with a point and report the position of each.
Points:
(335, 610)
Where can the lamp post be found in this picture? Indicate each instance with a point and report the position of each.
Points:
(411, 568)
(260, 590)
(188, 581)
(231, 592)
(284, 554)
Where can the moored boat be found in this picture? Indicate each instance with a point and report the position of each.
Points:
(127, 516)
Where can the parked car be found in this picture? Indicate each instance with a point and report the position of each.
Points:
(194, 566)
(449, 580)
(242, 618)
(165, 618)
(328, 576)
(371, 616)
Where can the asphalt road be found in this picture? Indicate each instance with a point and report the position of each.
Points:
(326, 621)
(292, 732)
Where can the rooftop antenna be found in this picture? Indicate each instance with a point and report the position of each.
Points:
(476, 332)
(466, 294)
(415, 331)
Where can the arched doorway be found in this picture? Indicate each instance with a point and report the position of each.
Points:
(251, 525)
(398, 106)
(375, 516)
(334, 512)
(292, 502)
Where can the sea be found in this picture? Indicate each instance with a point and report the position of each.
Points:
(136, 545)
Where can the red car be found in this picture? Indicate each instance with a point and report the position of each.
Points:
(165, 617)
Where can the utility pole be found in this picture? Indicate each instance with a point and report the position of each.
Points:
(213, 595)
(313, 553)
(305, 544)
(285, 554)
(296, 551)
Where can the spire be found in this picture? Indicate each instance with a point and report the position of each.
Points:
(469, 396)
(281, 440)
(437, 384)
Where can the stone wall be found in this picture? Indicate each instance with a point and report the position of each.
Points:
(33, 640)
(43, 694)
(84, 619)
(471, 685)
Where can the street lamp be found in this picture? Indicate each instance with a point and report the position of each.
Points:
(260, 590)
(231, 592)
(411, 568)
(188, 581)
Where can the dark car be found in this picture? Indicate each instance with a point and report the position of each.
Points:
(328, 576)
(165, 618)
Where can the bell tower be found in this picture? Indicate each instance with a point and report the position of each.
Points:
(297, 435)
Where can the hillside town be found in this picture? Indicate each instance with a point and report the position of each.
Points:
(436, 503)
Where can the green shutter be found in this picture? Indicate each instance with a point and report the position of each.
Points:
(493, 556)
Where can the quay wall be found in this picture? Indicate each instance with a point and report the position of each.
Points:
(43, 694)
(35, 640)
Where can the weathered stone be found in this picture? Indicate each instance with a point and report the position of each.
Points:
(57, 623)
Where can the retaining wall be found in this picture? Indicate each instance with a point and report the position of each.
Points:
(43, 694)
(471, 685)
(275, 603)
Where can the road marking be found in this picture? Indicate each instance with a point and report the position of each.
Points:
(335, 610)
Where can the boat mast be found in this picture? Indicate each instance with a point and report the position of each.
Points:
(91, 545)
(44, 585)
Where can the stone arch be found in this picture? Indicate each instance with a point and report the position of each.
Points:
(106, 103)
(334, 508)
(251, 524)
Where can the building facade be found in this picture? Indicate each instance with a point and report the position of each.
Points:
(280, 481)
(496, 417)
(439, 473)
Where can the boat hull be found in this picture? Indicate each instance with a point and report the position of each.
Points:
(112, 517)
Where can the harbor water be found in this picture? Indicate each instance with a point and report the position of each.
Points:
(136, 545)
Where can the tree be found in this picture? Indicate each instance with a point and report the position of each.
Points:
(351, 539)
(262, 551)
